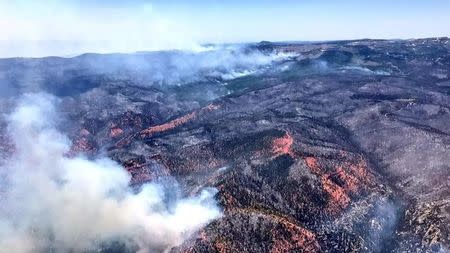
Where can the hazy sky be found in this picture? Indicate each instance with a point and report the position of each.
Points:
(74, 26)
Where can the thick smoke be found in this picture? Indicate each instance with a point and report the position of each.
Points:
(180, 67)
(51, 202)
(216, 65)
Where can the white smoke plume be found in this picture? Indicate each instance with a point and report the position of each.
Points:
(180, 67)
(50, 202)
(216, 65)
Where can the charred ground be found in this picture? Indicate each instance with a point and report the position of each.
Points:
(340, 147)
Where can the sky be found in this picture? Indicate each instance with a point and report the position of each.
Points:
(65, 27)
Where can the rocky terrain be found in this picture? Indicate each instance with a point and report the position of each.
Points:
(334, 147)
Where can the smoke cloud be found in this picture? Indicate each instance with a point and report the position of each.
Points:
(68, 28)
(180, 67)
(215, 65)
(50, 202)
